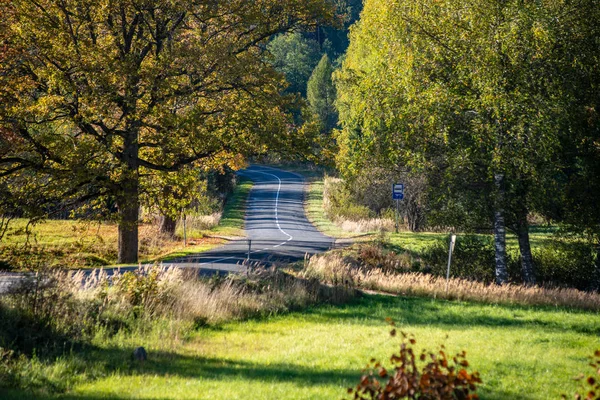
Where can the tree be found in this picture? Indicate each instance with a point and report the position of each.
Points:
(294, 56)
(465, 92)
(110, 92)
(578, 185)
(320, 94)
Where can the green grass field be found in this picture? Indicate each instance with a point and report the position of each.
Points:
(521, 352)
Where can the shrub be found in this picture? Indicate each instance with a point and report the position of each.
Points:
(592, 382)
(373, 256)
(441, 377)
(473, 258)
(565, 264)
(338, 202)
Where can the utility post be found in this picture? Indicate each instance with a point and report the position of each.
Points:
(397, 194)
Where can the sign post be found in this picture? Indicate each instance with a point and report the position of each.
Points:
(397, 194)
(184, 229)
(450, 250)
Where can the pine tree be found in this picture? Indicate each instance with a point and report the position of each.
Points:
(321, 95)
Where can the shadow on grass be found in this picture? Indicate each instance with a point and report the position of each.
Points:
(169, 364)
(373, 309)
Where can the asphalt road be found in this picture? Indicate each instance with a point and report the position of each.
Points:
(276, 227)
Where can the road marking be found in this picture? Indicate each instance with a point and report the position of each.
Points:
(290, 237)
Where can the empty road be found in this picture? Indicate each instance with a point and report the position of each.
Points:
(275, 225)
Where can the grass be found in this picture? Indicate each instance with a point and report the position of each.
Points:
(521, 352)
(77, 244)
(232, 220)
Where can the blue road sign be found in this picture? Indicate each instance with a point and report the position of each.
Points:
(397, 191)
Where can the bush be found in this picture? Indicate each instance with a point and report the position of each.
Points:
(373, 256)
(561, 263)
(339, 204)
(568, 264)
(592, 382)
(440, 378)
(473, 258)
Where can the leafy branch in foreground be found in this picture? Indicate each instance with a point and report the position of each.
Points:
(443, 377)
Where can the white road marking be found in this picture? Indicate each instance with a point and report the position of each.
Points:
(290, 237)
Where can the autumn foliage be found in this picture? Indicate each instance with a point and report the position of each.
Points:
(441, 377)
(592, 382)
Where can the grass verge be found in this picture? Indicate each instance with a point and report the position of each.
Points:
(232, 220)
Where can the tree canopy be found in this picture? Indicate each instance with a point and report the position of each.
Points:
(99, 96)
(472, 95)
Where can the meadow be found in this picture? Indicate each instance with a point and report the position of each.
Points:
(521, 352)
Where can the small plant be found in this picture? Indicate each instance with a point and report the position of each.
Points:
(592, 382)
(440, 378)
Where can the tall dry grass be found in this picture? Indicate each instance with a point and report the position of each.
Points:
(200, 222)
(332, 268)
(365, 225)
(158, 291)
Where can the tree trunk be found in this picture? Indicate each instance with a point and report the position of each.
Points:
(527, 267)
(128, 205)
(128, 202)
(500, 232)
(168, 225)
(596, 280)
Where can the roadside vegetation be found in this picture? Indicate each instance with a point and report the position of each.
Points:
(74, 243)
(64, 328)
(210, 339)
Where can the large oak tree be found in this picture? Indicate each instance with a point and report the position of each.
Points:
(99, 95)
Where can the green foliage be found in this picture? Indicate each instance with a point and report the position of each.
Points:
(566, 263)
(320, 94)
(339, 203)
(294, 56)
(118, 96)
(558, 263)
(473, 258)
(463, 91)
(443, 377)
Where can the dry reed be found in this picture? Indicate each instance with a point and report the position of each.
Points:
(179, 294)
(334, 269)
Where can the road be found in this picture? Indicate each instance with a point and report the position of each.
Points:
(275, 223)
